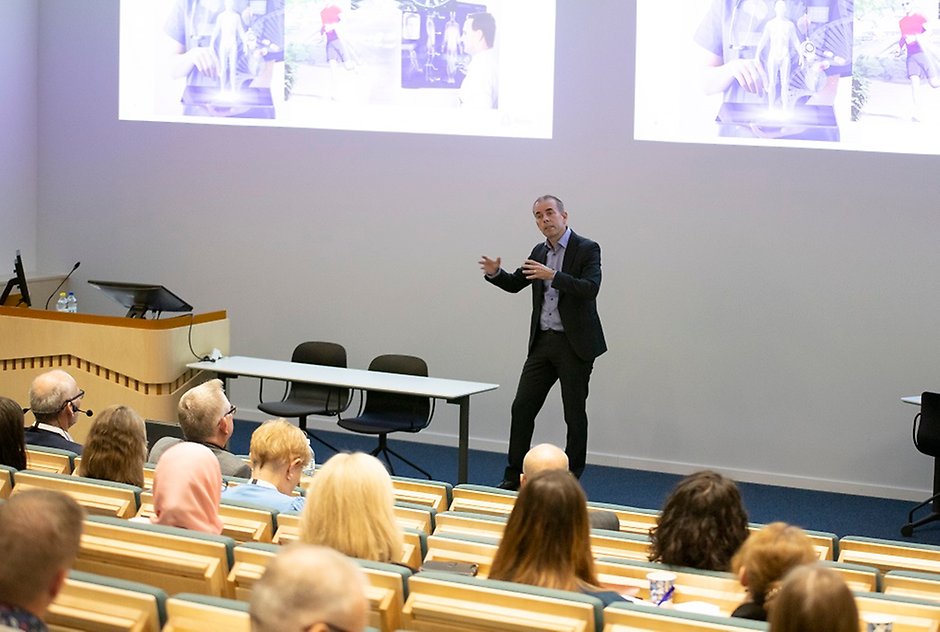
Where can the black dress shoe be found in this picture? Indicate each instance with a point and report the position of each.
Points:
(512, 486)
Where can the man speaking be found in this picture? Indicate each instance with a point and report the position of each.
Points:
(565, 334)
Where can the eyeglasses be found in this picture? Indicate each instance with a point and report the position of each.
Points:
(231, 411)
(80, 395)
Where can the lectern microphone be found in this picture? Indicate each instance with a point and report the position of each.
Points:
(56, 291)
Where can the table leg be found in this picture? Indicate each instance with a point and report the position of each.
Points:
(463, 440)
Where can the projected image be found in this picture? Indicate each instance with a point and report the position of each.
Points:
(839, 74)
(897, 64)
(429, 66)
(226, 50)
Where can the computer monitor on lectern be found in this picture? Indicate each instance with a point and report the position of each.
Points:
(18, 281)
(140, 298)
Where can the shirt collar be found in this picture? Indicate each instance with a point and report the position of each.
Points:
(563, 242)
(56, 430)
(261, 483)
(20, 619)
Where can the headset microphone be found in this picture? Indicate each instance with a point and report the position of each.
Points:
(88, 412)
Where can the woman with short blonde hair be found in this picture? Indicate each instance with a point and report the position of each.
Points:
(350, 507)
(116, 447)
(762, 562)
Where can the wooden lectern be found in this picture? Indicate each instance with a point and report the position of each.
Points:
(138, 363)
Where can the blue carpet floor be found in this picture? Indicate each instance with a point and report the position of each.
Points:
(842, 514)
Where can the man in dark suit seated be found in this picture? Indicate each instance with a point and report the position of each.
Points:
(207, 417)
(546, 456)
(54, 399)
(40, 534)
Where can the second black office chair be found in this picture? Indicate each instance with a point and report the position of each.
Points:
(927, 440)
(381, 413)
(302, 400)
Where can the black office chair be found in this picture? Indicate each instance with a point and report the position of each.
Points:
(927, 440)
(301, 400)
(382, 413)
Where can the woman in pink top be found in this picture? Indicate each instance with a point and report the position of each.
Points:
(187, 485)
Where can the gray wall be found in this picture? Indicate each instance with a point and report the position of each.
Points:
(765, 309)
(18, 149)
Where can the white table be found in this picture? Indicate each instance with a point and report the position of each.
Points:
(452, 391)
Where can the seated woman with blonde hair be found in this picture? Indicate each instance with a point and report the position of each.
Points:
(116, 447)
(547, 541)
(187, 485)
(814, 598)
(279, 453)
(762, 562)
(350, 507)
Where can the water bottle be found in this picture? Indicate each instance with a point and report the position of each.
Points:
(62, 305)
(312, 465)
(72, 303)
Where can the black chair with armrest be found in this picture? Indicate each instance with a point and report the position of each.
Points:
(381, 413)
(927, 440)
(302, 400)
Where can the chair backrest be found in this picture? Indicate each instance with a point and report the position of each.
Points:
(452, 603)
(630, 546)
(43, 459)
(99, 498)
(198, 613)
(722, 590)
(912, 584)
(857, 576)
(411, 516)
(434, 494)
(251, 558)
(176, 560)
(632, 519)
(927, 437)
(477, 550)
(242, 522)
(888, 555)
(326, 354)
(483, 499)
(95, 602)
(628, 617)
(409, 412)
(7, 474)
(460, 523)
(909, 614)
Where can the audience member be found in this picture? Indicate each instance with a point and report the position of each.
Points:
(813, 599)
(703, 523)
(12, 437)
(187, 485)
(54, 398)
(40, 532)
(116, 447)
(207, 417)
(310, 588)
(350, 507)
(547, 539)
(762, 562)
(546, 456)
(279, 453)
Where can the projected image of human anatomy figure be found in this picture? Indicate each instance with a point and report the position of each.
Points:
(226, 50)
(756, 51)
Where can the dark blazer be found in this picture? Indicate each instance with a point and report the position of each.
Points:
(46, 439)
(577, 283)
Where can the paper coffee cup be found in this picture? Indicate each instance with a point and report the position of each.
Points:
(875, 622)
(662, 585)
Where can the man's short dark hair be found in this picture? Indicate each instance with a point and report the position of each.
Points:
(548, 196)
(484, 22)
(40, 534)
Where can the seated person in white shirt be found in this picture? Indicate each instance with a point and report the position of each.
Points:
(280, 452)
(54, 399)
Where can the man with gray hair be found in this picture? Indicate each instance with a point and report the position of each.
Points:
(311, 588)
(206, 416)
(54, 398)
(40, 534)
(546, 456)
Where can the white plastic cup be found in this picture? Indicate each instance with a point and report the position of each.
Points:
(875, 622)
(662, 587)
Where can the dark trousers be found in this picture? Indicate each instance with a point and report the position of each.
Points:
(551, 359)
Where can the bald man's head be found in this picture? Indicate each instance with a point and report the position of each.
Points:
(541, 458)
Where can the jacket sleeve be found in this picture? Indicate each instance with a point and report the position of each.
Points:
(584, 280)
